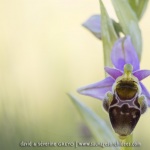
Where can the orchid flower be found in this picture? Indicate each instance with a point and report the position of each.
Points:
(124, 95)
(93, 24)
(123, 53)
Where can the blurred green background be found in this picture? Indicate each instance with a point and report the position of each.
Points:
(45, 53)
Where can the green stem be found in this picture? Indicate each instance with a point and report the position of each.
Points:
(126, 141)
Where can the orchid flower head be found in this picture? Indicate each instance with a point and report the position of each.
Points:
(123, 52)
(123, 94)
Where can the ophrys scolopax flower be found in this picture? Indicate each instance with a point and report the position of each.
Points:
(124, 96)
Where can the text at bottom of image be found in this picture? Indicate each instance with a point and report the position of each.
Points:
(77, 144)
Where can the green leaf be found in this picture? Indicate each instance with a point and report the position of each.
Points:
(117, 27)
(129, 22)
(133, 4)
(98, 127)
(108, 34)
(139, 7)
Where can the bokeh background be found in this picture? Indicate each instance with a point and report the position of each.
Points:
(45, 53)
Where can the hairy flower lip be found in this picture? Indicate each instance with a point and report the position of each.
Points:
(123, 52)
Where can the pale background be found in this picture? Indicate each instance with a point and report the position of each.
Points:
(45, 53)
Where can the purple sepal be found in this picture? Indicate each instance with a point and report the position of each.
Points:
(98, 89)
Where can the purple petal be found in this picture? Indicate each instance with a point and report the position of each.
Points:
(115, 73)
(98, 89)
(141, 74)
(146, 93)
(93, 24)
(123, 53)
